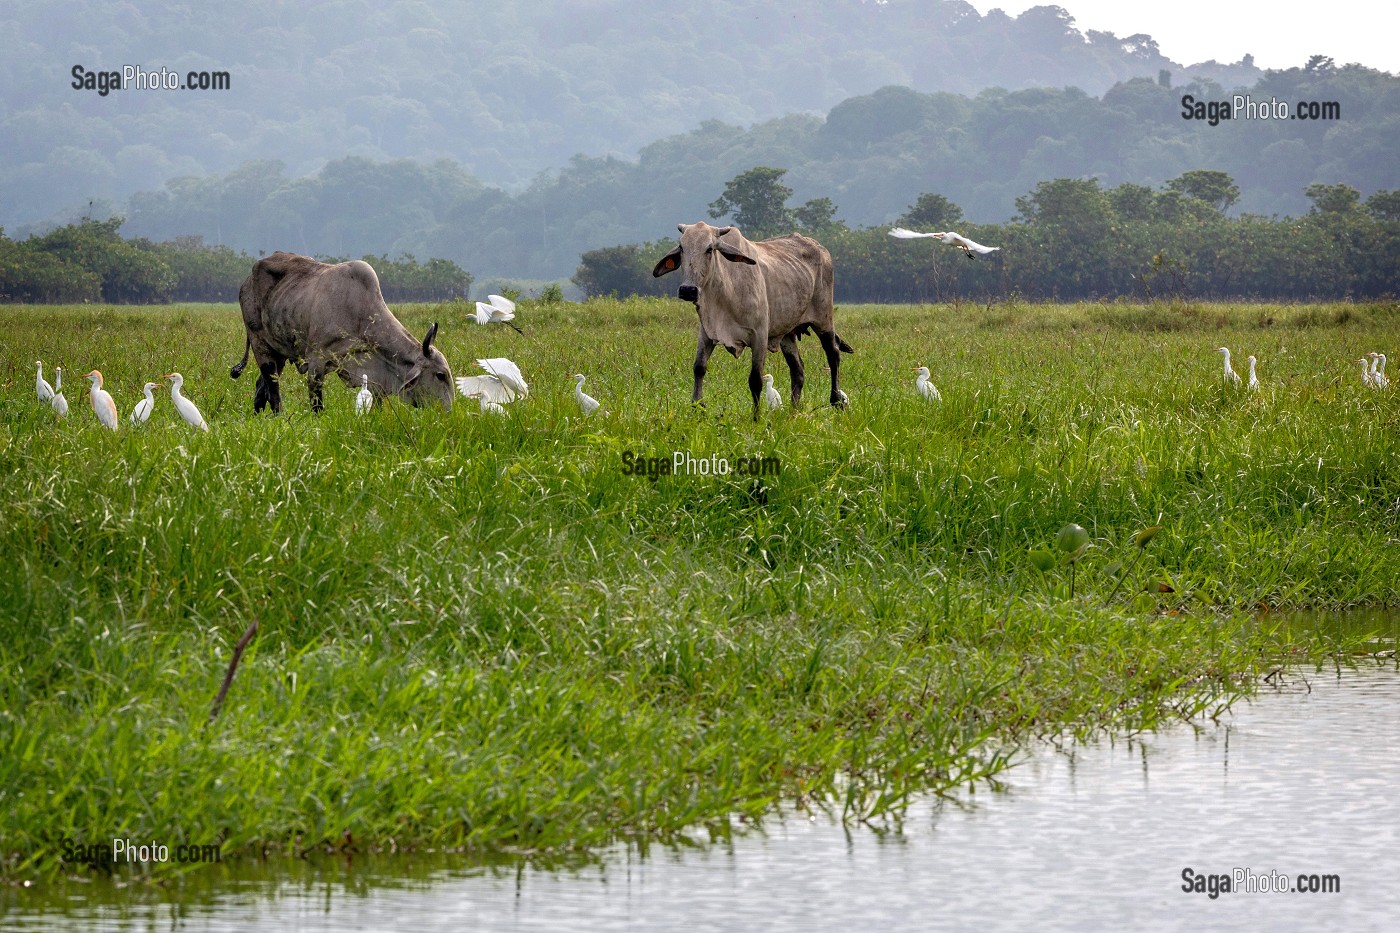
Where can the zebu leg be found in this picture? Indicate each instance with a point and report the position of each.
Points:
(704, 346)
(794, 361)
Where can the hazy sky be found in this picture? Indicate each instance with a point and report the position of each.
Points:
(1278, 34)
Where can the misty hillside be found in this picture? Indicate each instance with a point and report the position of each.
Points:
(870, 157)
(503, 89)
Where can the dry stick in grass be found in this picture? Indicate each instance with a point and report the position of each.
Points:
(232, 669)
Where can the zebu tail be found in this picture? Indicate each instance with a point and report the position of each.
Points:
(237, 370)
(843, 345)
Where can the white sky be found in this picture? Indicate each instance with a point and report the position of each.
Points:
(1278, 34)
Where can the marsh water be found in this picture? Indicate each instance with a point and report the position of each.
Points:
(1303, 780)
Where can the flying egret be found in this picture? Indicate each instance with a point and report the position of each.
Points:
(499, 310)
(101, 401)
(60, 404)
(487, 388)
(183, 405)
(41, 385)
(507, 372)
(771, 399)
(588, 403)
(1253, 379)
(927, 389)
(363, 398)
(954, 239)
(142, 411)
(1231, 376)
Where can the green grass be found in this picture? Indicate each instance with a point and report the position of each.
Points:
(477, 632)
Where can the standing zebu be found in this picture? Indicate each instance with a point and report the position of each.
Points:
(762, 295)
(334, 319)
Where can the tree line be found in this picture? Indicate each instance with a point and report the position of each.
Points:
(1072, 239)
(89, 261)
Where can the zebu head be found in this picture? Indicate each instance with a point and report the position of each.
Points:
(420, 378)
(429, 378)
(701, 247)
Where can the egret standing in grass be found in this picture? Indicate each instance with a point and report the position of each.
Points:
(1231, 376)
(60, 404)
(588, 403)
(771, 399)
(1365, 371)
(927, 389)
(102, 403)
(41, 385)
(1253, 379)
(183, 405)
(142, 411)
(1376, 377)
(363, 398)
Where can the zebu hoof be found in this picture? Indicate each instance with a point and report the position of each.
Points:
(839, 400)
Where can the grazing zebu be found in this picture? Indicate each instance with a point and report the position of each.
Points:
(334, 319)
(762, 295)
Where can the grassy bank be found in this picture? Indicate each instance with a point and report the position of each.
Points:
(479, 632)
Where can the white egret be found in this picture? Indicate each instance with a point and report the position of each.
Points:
(41, 384)
(60, 404)
(497, 309)
(487, 388)
(1365, 371)
(102, 403)
(507, 372)
(927, 389)
(183, 405)
(142, 411)
(1231, 376)
(771, 399)
(363, 398)
(488, 406)
(1376, 377)
(1253, 379)
(955, 239)
(588, 403)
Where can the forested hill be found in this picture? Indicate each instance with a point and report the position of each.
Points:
(504, 89)
(870, 158)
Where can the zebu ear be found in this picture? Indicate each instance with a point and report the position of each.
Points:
(428, 340)
(735, 253)
(412, 378)
(669, 263)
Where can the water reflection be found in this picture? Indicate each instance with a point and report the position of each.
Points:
(1301, 781)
